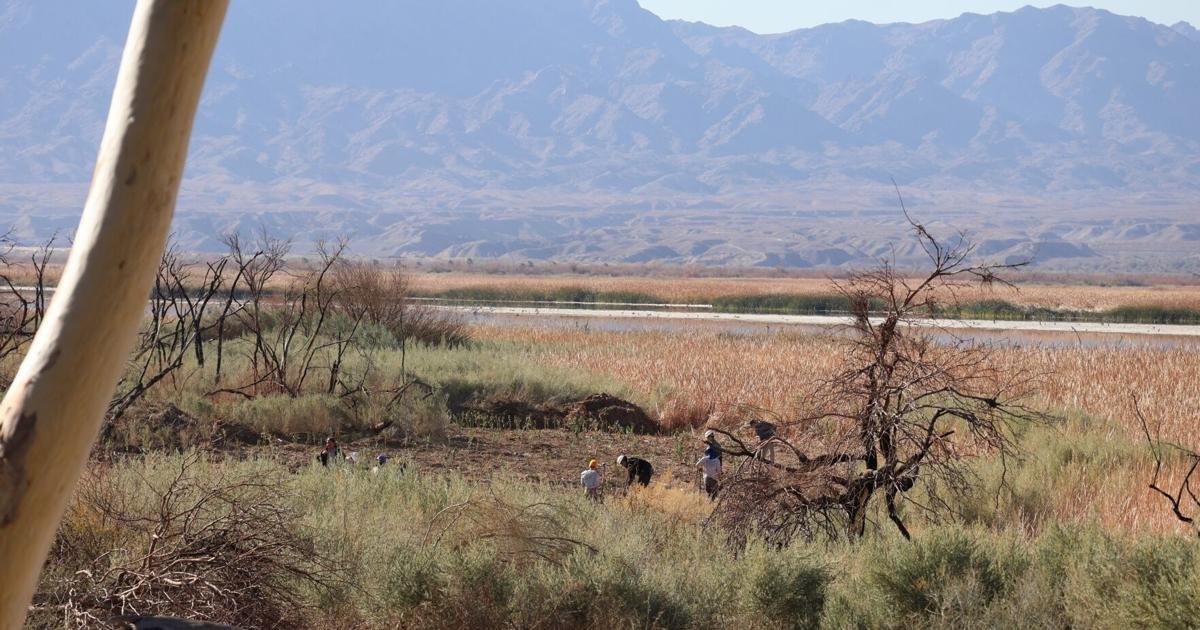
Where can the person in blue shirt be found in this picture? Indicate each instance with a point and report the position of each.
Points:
(712, 448)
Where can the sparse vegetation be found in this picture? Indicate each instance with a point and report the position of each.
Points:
(481, 529)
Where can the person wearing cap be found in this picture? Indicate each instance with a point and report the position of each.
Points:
(639, 469)
(590, 478)
(712, 448)
(710, 470)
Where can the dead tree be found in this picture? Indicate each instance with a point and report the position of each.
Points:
(911, 405)
(183, 315)
(290, 330)
(1181, 495)
(253, 276)
(23, 293)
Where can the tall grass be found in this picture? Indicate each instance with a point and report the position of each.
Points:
(506, 367)
(436, 551)
(710, 369)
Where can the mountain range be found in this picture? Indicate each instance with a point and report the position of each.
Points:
(593, 130)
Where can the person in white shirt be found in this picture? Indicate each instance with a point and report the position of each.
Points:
(590, 479)
(710, 469)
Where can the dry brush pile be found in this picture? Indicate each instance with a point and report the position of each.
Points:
(183, 543)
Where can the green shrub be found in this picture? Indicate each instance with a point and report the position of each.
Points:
(834, 304)
(946, 572)
(1113, 581)
(410, 559)
(423, 416)
(783, 304)
(560, 294)
(312, 415)
(480, 589)
(410, 580)
(784, 588)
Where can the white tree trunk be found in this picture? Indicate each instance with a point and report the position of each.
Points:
(52, 412)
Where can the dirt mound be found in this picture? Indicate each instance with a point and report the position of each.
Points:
(608, 412)
(514, 412)
(602, 412)
(169, 427)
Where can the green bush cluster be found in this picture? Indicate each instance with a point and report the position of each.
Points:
(408, 557)
(995, 309)
(785, 304)
(559, 294)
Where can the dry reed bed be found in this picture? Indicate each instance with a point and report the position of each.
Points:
(1047, 295)
(694, 372)
(706, 369)
(1102, 382)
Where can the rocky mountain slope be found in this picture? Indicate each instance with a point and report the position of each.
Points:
(593, 130)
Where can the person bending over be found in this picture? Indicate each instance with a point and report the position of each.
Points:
(639, 469)
(329, 453)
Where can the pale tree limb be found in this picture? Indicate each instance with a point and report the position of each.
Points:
(52, 412)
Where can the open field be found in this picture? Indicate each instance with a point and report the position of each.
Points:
(477, 520)
(416, 549)
(689, 379)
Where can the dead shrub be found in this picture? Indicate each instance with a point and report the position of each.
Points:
(906, 408)
(514, 409)
(223, 549)
(684, 412)
(382, 296)
(607, 412)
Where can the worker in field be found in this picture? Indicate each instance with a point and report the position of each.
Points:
(330, 452)
(590, 478)
(765, 432)
(639, 469)
(710, 470)
(711, 446)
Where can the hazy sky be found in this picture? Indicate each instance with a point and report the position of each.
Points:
(774, 16)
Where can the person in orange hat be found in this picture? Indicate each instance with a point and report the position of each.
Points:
(590, 478)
